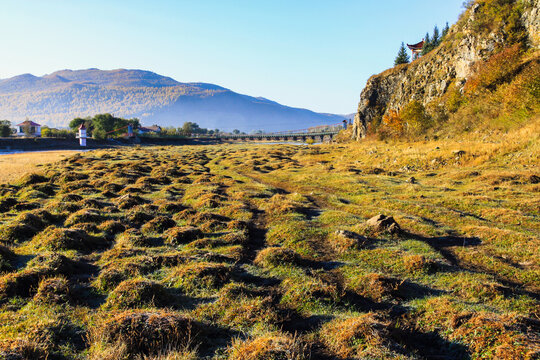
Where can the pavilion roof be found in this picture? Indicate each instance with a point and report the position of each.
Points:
(416, 46)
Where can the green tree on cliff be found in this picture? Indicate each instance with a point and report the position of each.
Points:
(402, 56)
(445, 31)
(427, 44)
(436, 38)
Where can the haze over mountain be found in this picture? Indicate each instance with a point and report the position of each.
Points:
(57, 98)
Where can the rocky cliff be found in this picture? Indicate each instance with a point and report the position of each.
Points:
(483, 29)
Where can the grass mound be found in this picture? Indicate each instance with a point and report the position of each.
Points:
(128, 201)
(133, 238)
(183, 235)
(109, 278)
(417, 264)
(137, 293)
(268, 346)
(53, 291)
(25, 226)
(358, 337)
(56, 239)
(17, 349)
(343, 240)
(7, 203)
(195, 276)
(240, 307)
(158, 225)
(275, 256)
(57, 264)
(25, 282)
(6, 256)
(112, 227)
(84, 216)
(22, 283)
(143, 332)
(32, 178)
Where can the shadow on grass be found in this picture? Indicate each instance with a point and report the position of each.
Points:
(429, 345)
(441, 243)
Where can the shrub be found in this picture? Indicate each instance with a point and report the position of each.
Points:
(415, 117)
(498, 69)
(392, 125)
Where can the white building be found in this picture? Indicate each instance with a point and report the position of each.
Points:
(33, 129)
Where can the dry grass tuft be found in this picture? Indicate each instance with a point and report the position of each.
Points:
(144, 332)
(358, 337)
(136, 293)
(195, 276)
(269, 346)
(183, 235)
(275, 256)
(53, 291)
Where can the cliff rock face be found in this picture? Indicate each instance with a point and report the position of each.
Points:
(429, 77)
(531, 21)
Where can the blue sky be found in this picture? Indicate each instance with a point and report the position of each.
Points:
(312, 54)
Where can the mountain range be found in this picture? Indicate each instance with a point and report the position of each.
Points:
(57, 98)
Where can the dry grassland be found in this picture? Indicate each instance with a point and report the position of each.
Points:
(14, 166)
(265, 252)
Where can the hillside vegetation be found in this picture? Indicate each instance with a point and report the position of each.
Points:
(484, 77)
(266, 252)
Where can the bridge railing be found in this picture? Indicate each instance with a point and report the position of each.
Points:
(322, 130)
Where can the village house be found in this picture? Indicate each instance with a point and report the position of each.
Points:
(28, 128)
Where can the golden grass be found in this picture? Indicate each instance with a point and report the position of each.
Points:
(258, 242)
(14, 166)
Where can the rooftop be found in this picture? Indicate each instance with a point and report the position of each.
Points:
(28, 123)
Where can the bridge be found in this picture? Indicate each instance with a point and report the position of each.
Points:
(323, 133)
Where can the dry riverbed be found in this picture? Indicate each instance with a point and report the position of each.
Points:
(266, 252)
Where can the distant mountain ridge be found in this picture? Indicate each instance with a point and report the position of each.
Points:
(56, 98)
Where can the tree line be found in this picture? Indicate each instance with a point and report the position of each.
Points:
(102, 126)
